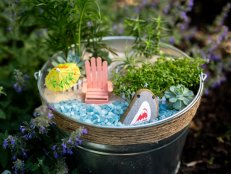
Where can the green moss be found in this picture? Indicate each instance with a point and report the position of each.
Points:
(159, 76)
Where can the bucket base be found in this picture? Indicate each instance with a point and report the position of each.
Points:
(162, 157)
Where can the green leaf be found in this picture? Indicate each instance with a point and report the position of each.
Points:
(178, 105)
(168, 94)
(172, 89)
(186, 101)
(172, 100)
(2, 114)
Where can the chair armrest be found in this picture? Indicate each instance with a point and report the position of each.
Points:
(109, 86)
(84, 87)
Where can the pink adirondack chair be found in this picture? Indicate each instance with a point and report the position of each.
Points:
(97, 85)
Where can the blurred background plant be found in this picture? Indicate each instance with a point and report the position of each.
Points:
(40, 147)
(25, 32)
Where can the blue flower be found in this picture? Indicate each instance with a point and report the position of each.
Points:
(56, 155)
(22, 129)
(64, 146)
(70, 141)
(12, 141)
(53, 147)
(5, 143)
(17, 88)
(69, 151)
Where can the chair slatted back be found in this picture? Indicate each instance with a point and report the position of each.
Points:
(96, 72)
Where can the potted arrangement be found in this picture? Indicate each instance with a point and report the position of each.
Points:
(136, 107)
(135, 96)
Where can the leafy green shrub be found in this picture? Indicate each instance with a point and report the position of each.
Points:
(159, 76)
(178, 97)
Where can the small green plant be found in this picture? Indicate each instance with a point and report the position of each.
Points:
(147, 33)
(76, 23)
(178, 97)
(129, 61)
(159, 76)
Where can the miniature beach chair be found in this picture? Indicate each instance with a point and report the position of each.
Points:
(97, 85)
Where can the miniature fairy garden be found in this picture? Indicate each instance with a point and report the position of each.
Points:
(144, 83)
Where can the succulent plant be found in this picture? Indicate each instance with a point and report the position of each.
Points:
(178, 97)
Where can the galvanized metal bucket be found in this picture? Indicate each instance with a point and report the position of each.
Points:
(151, 148)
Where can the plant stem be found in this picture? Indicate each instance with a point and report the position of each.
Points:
(80, 28)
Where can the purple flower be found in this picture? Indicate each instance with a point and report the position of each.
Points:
(56, 155)
(190, 4)
(69, 151)
(184, 16)
(166, 9)
(14, 158)
(5, 143)
(50, 115)
(22, 129)
(50, 107)
(53, 147)
(183, 26)
(216, 84)
(223, 35)
(12, 141)
(42, 130)
(28, 136)
(17, 88)
(64, 146)
(70, 141)
(214, 57)
(171, 40)
(78, 142)
(84, 131)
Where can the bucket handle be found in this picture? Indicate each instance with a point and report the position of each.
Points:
(203, 77)
(37, 75)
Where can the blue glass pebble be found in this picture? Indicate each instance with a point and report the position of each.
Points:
(103, 115)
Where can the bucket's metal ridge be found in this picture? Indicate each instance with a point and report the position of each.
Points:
(159, 157)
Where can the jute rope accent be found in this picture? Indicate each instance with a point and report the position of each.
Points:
(143, 135)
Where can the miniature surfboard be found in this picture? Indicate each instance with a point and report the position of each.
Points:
(143, 108)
